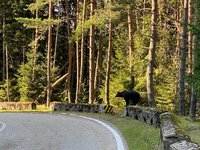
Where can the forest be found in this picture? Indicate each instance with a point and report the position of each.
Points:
(82, 51)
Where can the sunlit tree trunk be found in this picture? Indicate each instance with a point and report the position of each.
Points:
(49, 90)
(152, 49)
(107, 89)
(77, 56)
(55, 48)
(144, 10)
(82, 53)
(131, 45)
(4, 53)
(91, 57)
(7, 74)
(182, 67)
(98, 70)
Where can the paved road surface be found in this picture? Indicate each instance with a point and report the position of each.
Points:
(35, 131)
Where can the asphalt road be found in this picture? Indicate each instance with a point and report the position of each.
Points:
(38, 131)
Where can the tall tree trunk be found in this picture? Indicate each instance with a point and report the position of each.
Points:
(77, 56)
(35, 47)
(82, 53)
(49, 90)
(55, 48)
(91, 57)
(97, 80)
(144, 10)
(131, 45)
(4, 53)
(191, 46)
(70, 53)
(7, 74)
(183, 62)
(152, 49)
(107, 89)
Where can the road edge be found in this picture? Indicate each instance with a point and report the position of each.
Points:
(121, 143)
(3, 126)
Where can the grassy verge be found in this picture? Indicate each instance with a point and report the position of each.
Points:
(139, 136)
(191, 128)
(40, 108)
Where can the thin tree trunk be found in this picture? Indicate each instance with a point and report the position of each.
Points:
(70, 53)
(4, 53)
(49, 90)
(152, 49)
(131, 46)
(23, 55)
(192, 45)
(77, 56)
(55, 48)
(193, 105)
(82, 52)
(7, 74)
(183, 62)
(97, 80)
(144, 9)
(107, 89)
(91, 57)
(178, 15)
(35, 47)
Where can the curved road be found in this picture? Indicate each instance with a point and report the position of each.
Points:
(36, 131)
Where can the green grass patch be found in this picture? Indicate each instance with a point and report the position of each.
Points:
(192, 129)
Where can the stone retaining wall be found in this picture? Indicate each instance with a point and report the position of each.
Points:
(96, 108)
(59, 106)
(17, 105)
(145, 114)
(171, 135)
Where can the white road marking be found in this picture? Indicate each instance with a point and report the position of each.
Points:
(3, 126)
(119, 141)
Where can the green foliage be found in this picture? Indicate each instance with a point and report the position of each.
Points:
(41, 24)
(31, 87)
(3, 96)
(38, 5)
(194, 79)
(98, 19)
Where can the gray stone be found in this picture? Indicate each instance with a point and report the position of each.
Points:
(184, 145)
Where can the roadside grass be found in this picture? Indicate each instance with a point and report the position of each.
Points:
(40, 108)
(191, 128)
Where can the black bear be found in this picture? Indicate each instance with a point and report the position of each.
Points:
(131, 97)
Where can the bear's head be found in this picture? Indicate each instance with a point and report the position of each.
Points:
(120, 94)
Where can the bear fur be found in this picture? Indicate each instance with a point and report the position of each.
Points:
(131, 97)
